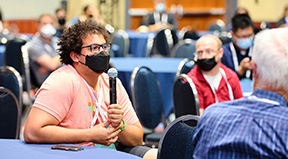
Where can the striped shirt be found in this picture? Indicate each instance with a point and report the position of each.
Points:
(253, 127)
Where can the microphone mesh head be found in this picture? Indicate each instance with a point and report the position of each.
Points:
(112, 72)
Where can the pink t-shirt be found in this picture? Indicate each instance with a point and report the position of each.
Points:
(67, 97)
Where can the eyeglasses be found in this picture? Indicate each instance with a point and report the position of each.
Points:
(94, 48)
(208, 52)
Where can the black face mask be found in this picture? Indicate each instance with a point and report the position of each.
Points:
(98, 62)
(61, 21)
(206, 64)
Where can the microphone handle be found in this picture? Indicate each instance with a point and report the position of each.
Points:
(112, 83)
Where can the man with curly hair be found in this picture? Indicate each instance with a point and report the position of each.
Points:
(73, 106)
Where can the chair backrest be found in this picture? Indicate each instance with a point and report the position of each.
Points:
(16, 56)
(9, 114)
(185, 66)
(163, 42)
(217, 25)
(146, 97)
(149, 46)
(187, 33)
(11, 79)
(185, 96)
(225, 37)
(184, 49)
(176, 140)
(121, 39)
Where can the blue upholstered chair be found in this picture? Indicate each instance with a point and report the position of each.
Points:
(9, 114)
(185, 96)
(185, 66)
(11, 79)
(163, 43)
(147, 101)
(176, 140)
(122, 40)
(184, 49)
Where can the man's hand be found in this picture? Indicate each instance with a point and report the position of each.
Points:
(115, 114)
(101, 134)
(245, 65)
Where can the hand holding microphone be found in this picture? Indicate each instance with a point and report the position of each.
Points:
(112, 73)
(115, 111)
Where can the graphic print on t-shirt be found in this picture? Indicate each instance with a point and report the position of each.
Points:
(90, 106)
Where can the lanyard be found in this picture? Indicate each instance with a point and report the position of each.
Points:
(164, 18)
(98, 103)
(228, 85)
(265, 100)
(235, 59)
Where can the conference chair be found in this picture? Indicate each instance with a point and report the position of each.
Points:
(184, 49)
(176, 140)
(147, 101)
(188, 33)
(9, 114)
(225, 37)
(185, 96)
(121, 39)
(163, 42)
(11, 79)
(217, 24)
(16, 58)
(149, 45)
(185, 66)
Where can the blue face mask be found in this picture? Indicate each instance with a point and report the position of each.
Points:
(245, 43)
(160, 7)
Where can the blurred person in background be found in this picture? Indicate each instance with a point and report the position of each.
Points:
(214, 81)
(42, 52)
(237, 53)
(61, 16)
(160, 19)
(283, 22)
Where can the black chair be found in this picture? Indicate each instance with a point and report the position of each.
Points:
(163, 42)
(16, 56)
(184, 49)
(122, 40)
(9, 114)
(11, 79)
(185, 66)
(176, 140)
(188, 33)
(225, 37)
(185, 96)
(147, 101)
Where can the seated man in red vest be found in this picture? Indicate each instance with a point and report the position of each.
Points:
(214, 81)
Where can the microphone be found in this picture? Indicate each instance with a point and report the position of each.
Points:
(112, 73)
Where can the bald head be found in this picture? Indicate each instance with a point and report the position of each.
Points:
(209, 38)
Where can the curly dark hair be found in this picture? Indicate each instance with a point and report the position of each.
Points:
(71, 39)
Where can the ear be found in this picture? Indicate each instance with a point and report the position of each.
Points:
(221, 51)
(254, 68)
(74, 56)
(232, 33)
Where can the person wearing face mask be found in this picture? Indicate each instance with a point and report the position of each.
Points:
(237, 53)
(214, 81)
(160, 19)
(61, 21)
(42, 51)
(73, 103)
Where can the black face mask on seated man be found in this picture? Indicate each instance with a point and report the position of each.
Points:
(206, 64)
(98, 62)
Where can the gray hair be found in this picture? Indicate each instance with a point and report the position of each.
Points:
(270, 54)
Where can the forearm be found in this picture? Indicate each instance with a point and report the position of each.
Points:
(132, 135)
(56, 134)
